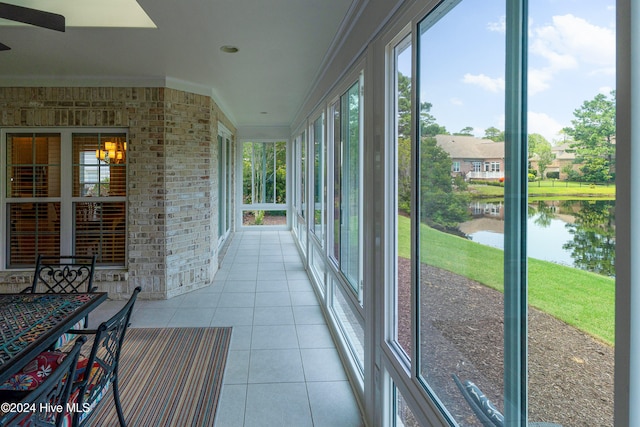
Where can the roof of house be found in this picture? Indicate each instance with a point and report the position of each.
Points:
(564, 152)
(470, 147)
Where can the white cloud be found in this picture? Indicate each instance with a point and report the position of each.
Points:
(570, 42)
(571, 36)
(544, 125)
(485, 82)
(605, 90)
(498, 27)
(456, 101)
(539, 80)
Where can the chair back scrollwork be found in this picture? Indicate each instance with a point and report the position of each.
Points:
(63, 274)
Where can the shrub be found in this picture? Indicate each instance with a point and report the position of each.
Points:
(553, 175)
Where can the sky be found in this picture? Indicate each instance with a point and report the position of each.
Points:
(571, 59)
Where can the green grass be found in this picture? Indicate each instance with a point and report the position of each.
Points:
(550, 188)
(579, 298)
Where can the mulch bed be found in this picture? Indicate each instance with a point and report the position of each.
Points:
(570, 373)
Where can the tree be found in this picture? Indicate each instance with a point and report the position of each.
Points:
(593, 132)
(465, 131)
(540, 148)
(404, 106)
(428, 125)
(494, 134)
(594, 228)
(441, 206)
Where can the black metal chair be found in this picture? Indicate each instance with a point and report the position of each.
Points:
(53, 393)
(63, 274)
(102, 364)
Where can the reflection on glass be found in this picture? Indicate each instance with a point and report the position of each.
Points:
(337, 178)
(221, 187)
(571, 225)
(318, 179)
(402, 294)
(350, 322)
(33, 165)
(99, 166)
(100, 229)
(403, 415)
(318, 268)
(350, 186)
(34, 228)
(303, 176)
(460, 303)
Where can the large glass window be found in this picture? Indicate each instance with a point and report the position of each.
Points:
(513, 259)
(319, 185)
(571, 234)
(99, 191)
(224, 184)
(459, 283)
(48, 212)
(403, 205)
(264, 183)
(33, 195)
(347, 171)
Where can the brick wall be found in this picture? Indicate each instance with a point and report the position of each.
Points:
(172, 179)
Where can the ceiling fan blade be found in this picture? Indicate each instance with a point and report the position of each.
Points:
(4, 47)
(52, 21)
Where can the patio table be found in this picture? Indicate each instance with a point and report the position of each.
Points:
(31, 323)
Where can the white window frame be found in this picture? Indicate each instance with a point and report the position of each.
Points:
(66, 199)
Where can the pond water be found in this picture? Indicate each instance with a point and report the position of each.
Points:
(579, 234)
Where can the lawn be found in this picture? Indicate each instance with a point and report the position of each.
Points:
(551, 188)
(579, 298)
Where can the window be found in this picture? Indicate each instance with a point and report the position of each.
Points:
(519, 301)
(343, 271)
(401, 209)
(224, 183)
(347, 194)
(264, 183)
(446, 266)
(319, 185)
(65, 193)
(303, 171)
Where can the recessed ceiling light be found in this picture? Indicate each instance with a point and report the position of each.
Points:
(229, 49)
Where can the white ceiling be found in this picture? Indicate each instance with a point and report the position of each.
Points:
(282, 45)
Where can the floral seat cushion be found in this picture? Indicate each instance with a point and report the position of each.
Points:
(35, 372)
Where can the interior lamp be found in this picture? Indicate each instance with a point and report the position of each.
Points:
(114, 152)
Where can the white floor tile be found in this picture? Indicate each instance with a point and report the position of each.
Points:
(274, 337)
(333, 404)
(277, 405)
(275, 366)
(282, 368)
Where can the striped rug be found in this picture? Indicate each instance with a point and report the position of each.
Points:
(168, 377)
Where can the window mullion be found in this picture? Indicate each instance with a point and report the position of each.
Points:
(66, 192)
(515, 265)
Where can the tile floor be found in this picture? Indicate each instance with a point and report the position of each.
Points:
(283, 368)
